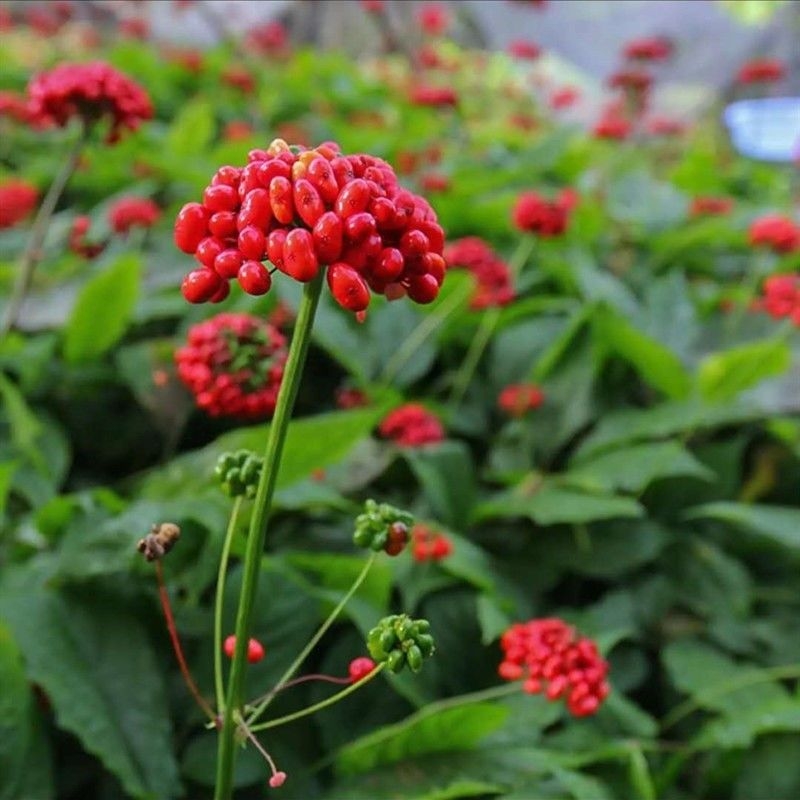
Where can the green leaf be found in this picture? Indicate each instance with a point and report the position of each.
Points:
(311, 443)
(722, 376)
(779, 523)
(25, 427)
(192, 129)
(551, 504)
(446, 476)
(432, 730)
(103, 310)
(634, 468)
(492, 618)
(25, 768)
(637, 197)
(657, 365)
(740, 730)
(93, 659)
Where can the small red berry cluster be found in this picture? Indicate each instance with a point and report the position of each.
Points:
(78, 241)
(350, 397)
(761, 70)
(255, 650)
(519, 398)
(233, 364)
(710, 206)
(546, 218)
(782, 297)
(648, 48)
(777, 232)
(303, 209)
(17, 199)
(90, 91)
(428, 544)
(132, 212)
(412, 425)
(547, 655)
(492, 275)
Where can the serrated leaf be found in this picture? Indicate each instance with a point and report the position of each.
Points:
(656, 364)
(92, 658)
(722, 376)
(634, 468)
(103, 310)
(779, 523)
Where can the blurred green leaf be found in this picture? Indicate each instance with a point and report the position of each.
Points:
(778, 523)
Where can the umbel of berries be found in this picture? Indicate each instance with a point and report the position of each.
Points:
(400, 641)
(382, 527)
(238, 473)
(300, 211)
(233, 364)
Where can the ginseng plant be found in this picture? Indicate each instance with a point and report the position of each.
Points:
(316, 216)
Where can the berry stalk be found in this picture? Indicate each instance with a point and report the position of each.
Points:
(33, 250)
(258, 529)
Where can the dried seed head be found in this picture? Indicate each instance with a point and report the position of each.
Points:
(159, 541)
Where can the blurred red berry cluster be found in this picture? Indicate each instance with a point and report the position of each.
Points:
(132, 212)
(518, 399)
(547, 656)
(412, 425)
(782, 297)
(546, 218)
(428, 544)
(304, 209)
(494, 286)
(775, 231)
(17, 199)
(233, 365)
(761, 70)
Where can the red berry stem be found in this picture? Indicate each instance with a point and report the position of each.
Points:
(258, 530)
(33, 250)
(314, 676)
(176, 646)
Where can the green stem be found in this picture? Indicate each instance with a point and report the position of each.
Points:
(695, 703)
(258, 529)
(334, 698)
(220, 601)
(267, 699)
(487, 327)
(33, 250)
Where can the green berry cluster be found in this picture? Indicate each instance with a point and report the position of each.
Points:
(399, 640)
(382, 527)
(239, 473)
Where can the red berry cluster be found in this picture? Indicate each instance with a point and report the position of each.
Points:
(546, 218)
(761, 70)
(547, 655)
(239, 77)
(78, 242)
(710, 206)
(303, 209)
(233, 364)
(423, 94)
(782, 297)
(777, 232)
(519, 398)
(412, 425)
(632, 80)
(90, 91)
(428, 544)
(269, 39)
(660, 125)
(612, 125)
(433, 19)
(493, 277)
(565, 97)
(15, 106)
(348, 397)
(131, 212)
(649, 48)
(524, 49)
(17, 200)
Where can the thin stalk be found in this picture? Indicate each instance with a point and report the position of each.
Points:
(176, 646)
(33, 250)
(335, 698)
(258, 529)
(487, 327)
(295, 665)
(219, 603)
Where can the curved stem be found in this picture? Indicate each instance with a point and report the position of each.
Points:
(295, 665)
(176, 646)
(33, 250)
(335, 698)
(487, 327)
(219, 603)
(258, 528)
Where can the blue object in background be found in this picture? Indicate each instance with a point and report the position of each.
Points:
(767, 129)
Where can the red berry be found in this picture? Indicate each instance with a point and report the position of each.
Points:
(307, 202)
(255, 210)
(390, 265)
(278, 779)
(348, 288)
(273, 168)
(275, 242)
(220, 198)
(384, 211)
(252, 243)
(190, 227)
(435, 266)
(320, 174)
(254, 278)
(227, 263)
(299, 257)
(228, 176)
(200, 285)
(359, 668)
(358, 227)
(327, 235)
(208, 250)
(223, 224)
(342, 171)
(280, 200)
(423, 288)
(221, 293)
(353, 198)
(255, 650)
(414, 243)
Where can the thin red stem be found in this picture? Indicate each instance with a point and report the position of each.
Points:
(302, 679)
(249, 734)
(176, 646)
